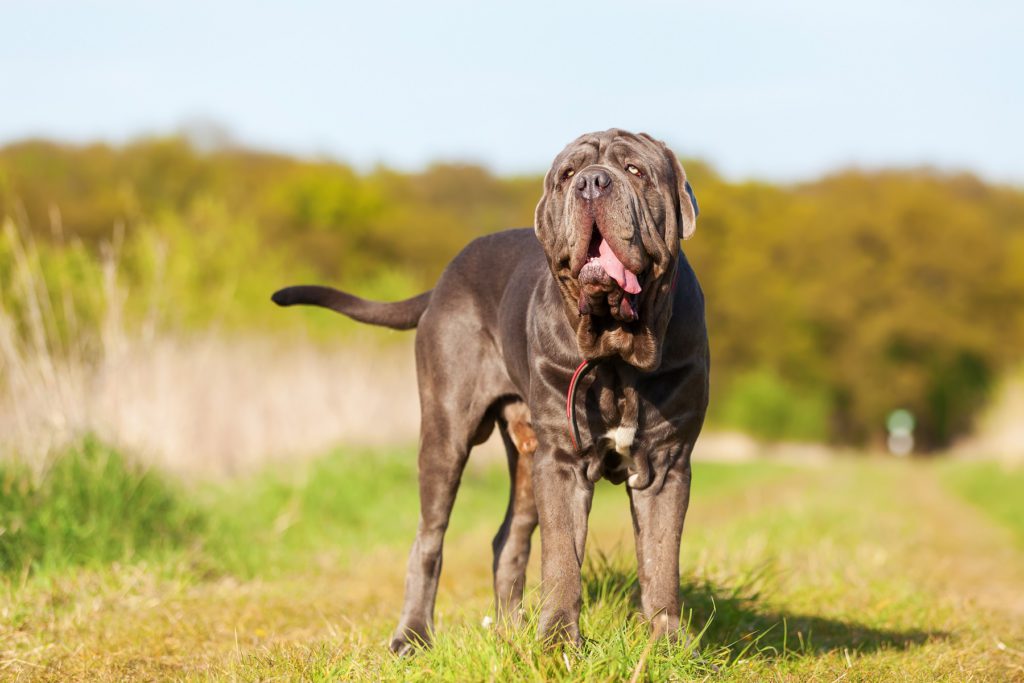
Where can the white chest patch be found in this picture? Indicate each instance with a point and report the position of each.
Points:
(622, 437)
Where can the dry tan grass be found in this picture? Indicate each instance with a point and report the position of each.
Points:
(209, 404)
(198, 404)
(212, 405)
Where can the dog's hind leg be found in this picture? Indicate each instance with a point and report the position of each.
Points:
(440, 464)
(512, 542)
(455, 414)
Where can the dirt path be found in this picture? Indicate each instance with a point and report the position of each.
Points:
(970, 555)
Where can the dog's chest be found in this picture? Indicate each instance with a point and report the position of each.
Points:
(617, 409)
(621, 439)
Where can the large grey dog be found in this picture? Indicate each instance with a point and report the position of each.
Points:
(505, 333)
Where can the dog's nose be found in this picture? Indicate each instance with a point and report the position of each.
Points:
(592, 184)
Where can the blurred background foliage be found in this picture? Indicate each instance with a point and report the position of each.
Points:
(830, 303)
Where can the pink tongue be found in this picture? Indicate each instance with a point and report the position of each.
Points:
(613, 266)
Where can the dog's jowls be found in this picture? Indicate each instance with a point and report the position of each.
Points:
(600, 278)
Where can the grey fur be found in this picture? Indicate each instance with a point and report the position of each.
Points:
(497, 342)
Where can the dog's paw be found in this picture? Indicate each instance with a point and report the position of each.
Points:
(667, 627)
(408, 639)
(558, 629)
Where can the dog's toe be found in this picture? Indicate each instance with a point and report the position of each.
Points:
(401, 647)
(409, 637)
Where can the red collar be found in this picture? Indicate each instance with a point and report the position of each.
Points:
(570, 401)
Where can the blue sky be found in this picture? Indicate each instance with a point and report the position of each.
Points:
(783, 90)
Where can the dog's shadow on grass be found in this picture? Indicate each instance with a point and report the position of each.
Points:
(734, 617)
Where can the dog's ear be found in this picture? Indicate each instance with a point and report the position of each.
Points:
(540, 213)
(542, 218)
(693, 200)
(688, 209)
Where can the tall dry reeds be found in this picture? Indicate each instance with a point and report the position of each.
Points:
(196, 403)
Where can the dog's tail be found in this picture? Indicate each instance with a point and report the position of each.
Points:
(398, 315)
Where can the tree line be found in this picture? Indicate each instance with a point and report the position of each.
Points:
(830, 303)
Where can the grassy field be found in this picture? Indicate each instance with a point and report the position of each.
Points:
(855, 570)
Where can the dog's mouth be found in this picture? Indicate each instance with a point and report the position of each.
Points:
(607, 286)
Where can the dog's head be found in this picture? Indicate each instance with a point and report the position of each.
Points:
(614, 208)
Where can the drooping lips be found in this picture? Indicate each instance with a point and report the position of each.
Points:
(606, 285)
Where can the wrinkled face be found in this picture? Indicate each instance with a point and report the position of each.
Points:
(615, 205)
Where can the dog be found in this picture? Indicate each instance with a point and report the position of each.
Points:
(584, 340)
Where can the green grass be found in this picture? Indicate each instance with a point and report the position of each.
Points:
(93, 506)
(275, 522)
(860, 570)
(89, 507)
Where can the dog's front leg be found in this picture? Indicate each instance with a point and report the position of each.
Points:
(658, 514)
(563, 496)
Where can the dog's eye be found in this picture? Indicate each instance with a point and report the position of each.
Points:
(568, 173)
(634, 170)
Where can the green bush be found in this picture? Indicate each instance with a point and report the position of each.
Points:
(90, 506)
(763, 405)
